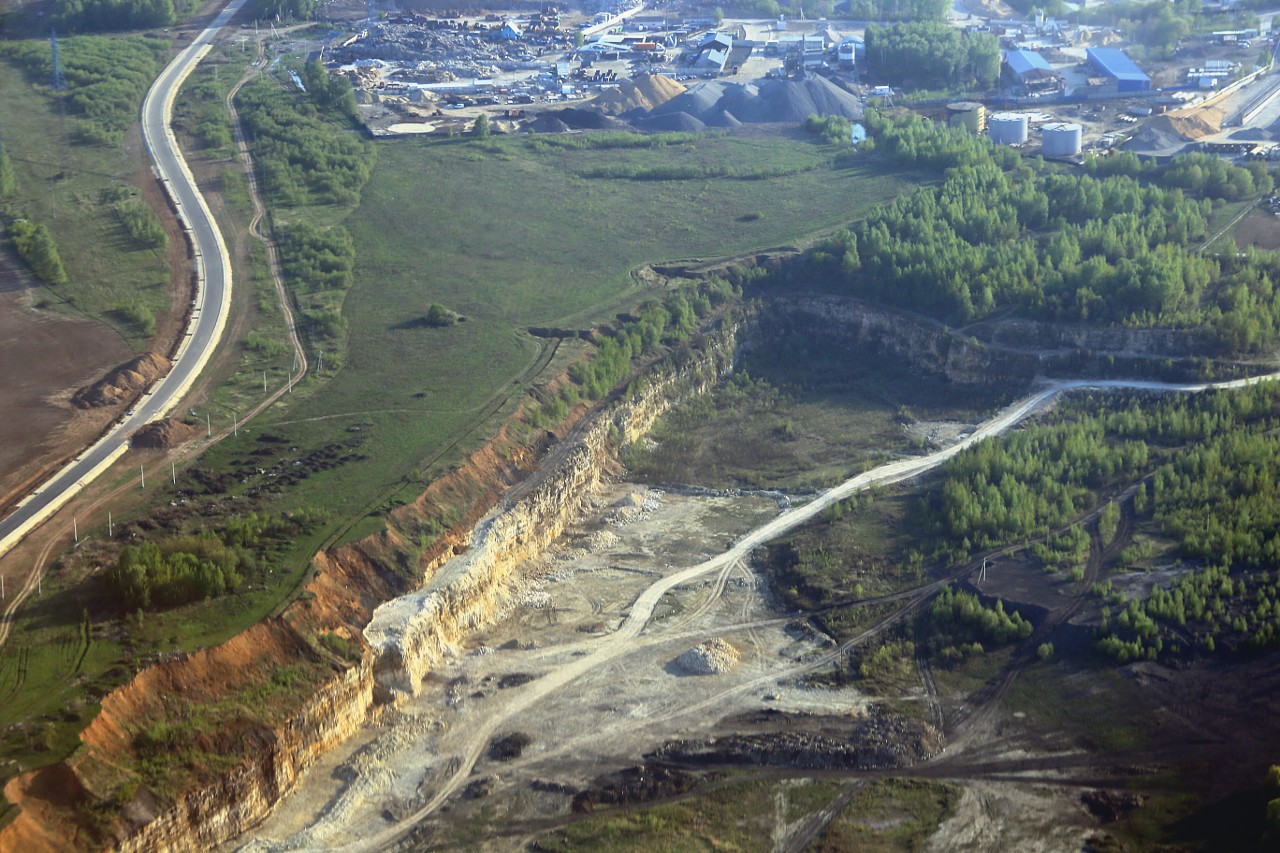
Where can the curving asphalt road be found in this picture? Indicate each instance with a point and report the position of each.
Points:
(209, 312)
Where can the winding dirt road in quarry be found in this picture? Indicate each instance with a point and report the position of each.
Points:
(606, 650)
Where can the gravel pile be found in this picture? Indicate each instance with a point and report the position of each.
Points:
(533, 598)
(712, 657)
(719, 104)
(602, 540)
(634, 507)
(677, 122)
(646, 92)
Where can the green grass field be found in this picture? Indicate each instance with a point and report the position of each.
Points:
(509, 234)
(64, 184)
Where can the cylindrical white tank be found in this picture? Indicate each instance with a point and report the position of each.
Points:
(1061, 140)
(1008, 128)
(967, 114)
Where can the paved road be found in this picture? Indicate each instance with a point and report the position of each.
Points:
(209, 314)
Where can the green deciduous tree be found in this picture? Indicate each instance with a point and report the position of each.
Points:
(36, 246)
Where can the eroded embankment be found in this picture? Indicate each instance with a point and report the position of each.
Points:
(223, 736)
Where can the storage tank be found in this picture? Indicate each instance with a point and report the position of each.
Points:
(967, 114)
(1008, 128)
(1061, 140)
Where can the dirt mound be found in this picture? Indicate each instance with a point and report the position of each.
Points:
(773, 101)
(547, 123)
(164, 434)
(46, 796)
(712, 657)
(1162, 133)
(678, 122)
(1198, 124)
(1100, 38)
(587, 119)
(124, 383)
(646, 92)
(882, 740)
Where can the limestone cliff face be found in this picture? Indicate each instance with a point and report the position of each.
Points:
(1118, 340)
(412, 633)
(201, 819)
(990, 352)
(917, 341)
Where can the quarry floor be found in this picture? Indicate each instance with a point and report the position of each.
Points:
(606, 719)
(609, 717)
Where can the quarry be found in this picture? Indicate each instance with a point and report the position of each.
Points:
(641, 428)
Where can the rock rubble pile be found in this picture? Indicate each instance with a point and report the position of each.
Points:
(712, 657)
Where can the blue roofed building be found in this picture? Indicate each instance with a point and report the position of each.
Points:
(1025, 61)
(1115, 64)
(1029, 70)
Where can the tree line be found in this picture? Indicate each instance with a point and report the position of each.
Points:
(931, 54)
(1044, 477)
(193, 567)
(106, 78)
(304, 156)
(958, 625)
(997, 235)
(110, 15)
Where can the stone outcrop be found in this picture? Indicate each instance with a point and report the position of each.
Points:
(916, 341)
(412, 633)
(996, 352)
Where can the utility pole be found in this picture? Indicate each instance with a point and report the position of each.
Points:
(75, 530)
(208, 426)
(111, 529)
(173, 468)
(235, 424)
(143, 472)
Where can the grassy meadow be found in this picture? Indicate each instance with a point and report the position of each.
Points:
(71, 185)
(510, 233)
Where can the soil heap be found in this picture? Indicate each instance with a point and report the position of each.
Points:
(164, 434)
(124, 383)
(646, 92)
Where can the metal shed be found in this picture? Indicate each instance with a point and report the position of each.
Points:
(1119, 67)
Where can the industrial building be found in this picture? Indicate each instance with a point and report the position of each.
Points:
(1115, 64)
(1029, 70)
(714, 51)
